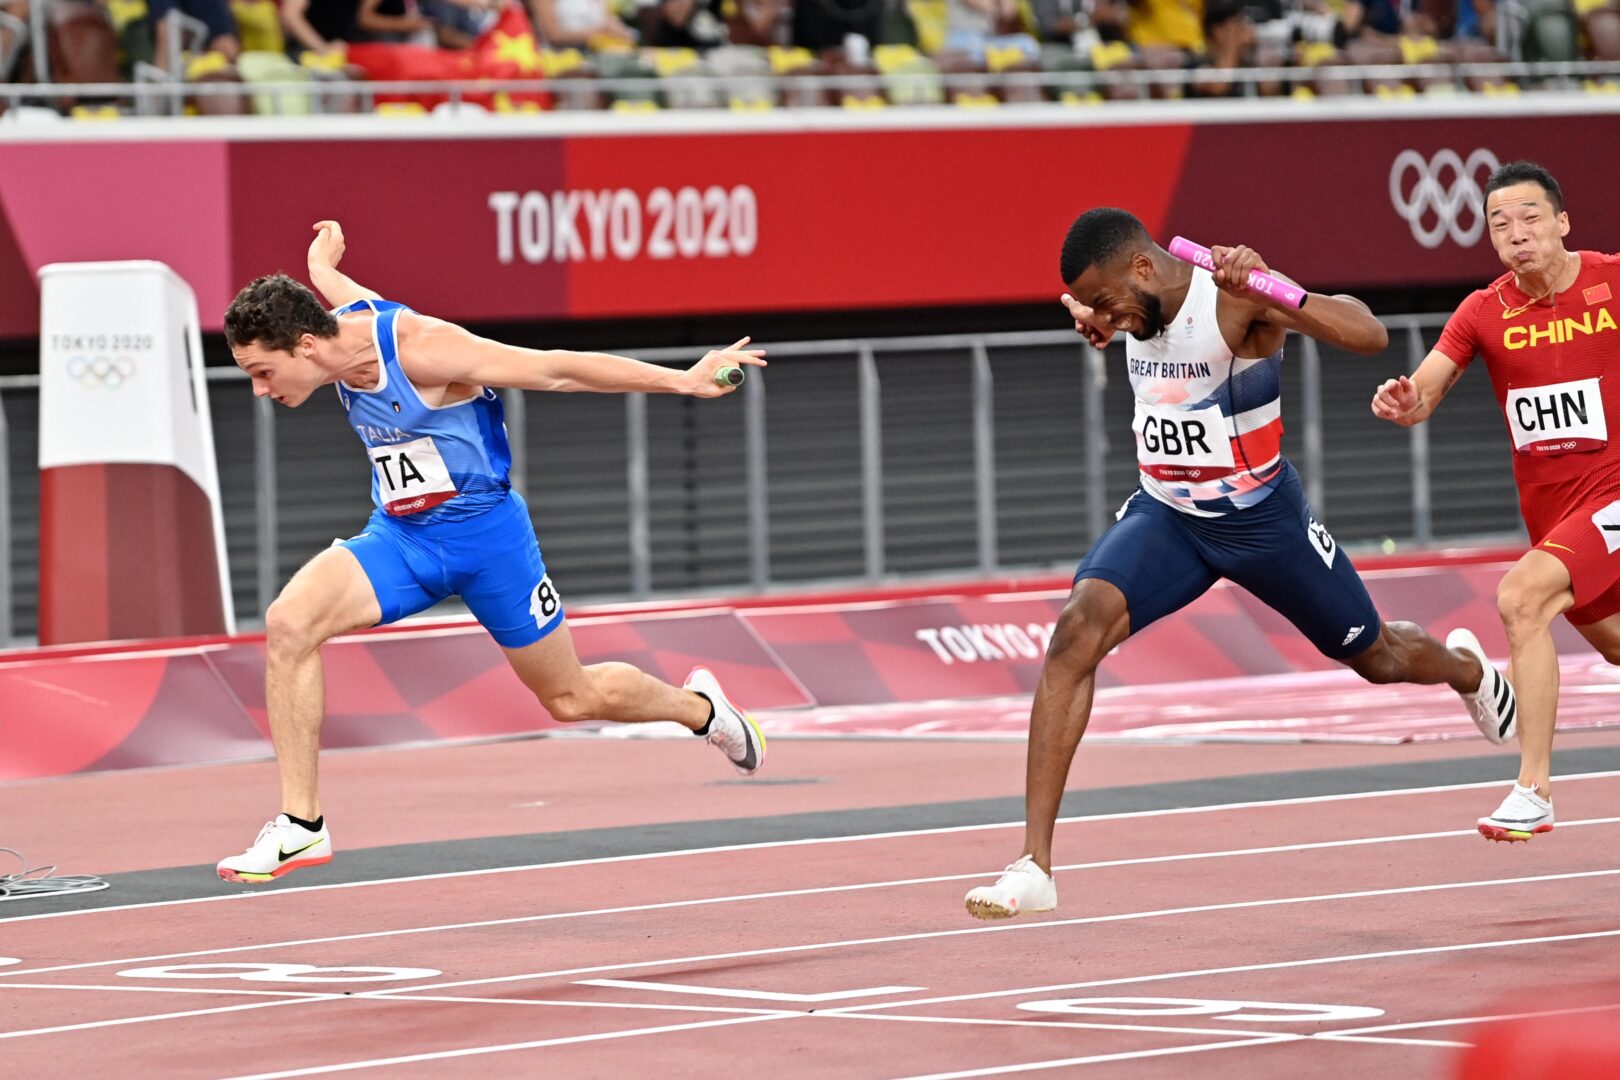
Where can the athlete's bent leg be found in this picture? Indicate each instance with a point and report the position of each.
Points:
(330, 595)
(624, 694)
(1094, 621)
(571, 692)
(1533, 593)
(1404, 652)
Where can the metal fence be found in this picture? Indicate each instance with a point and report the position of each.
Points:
(856, 460)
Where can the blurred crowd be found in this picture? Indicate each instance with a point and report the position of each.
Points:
(1189, 47)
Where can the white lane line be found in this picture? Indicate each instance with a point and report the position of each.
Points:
(1334, 1036)
(778, 894)
(474, 1051)
(1414, 1025)
(727, 1010)
(864, 1009)
(1003, 928)
(92, 1024)
(295, 998)
(852, 1013)
(1097, 1059)
(770, 844)
(168, 990)
(1155, 1028)
(751, 995)
(1276, 965)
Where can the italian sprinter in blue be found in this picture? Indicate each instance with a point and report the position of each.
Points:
(421, 395)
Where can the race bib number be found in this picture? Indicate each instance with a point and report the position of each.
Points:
(1564, 418)
(1182, 444)
(411, 476)
(544, 603)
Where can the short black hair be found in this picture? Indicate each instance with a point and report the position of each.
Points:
(1097, 236)
(1527, 172)
(274, 311)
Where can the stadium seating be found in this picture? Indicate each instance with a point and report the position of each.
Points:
(906, 65)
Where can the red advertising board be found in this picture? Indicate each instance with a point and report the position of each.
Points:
(555, 218)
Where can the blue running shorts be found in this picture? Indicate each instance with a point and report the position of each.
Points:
(491, 561)
(1163, 560)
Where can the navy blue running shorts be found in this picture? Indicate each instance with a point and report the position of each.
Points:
(1163, 560)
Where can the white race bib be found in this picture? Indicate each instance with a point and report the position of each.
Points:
(1561, 418)
(1182, 444)
(411, 476)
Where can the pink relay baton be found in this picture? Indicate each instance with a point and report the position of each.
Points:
(1272, 286)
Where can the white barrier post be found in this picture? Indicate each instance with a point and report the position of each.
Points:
(132, 538)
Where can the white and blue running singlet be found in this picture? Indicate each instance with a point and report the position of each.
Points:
(1208, 424)
(429, 463)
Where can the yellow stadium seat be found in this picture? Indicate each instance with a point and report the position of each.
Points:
(1602, 86)
(750, 105)
(1109, 54)
(1394, 92)
(1302, 93)
(1002, 57)
(274, 67)
(667, 62)
(864, 101)
(644, 105)
(976, 101)
(502, 103)
(555, 62)
(891, 58)
(1505, 89)
(1075, 97)
(400, 109)
(205, 64)
(324, 61)
(785, 61)
(1418, 50)
(95, 112)
(1312, 53)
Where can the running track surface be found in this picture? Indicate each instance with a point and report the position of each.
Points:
(604, 907)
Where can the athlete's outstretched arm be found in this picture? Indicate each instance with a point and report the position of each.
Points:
(325, 252)
(1342, 321)
(436, 352)
(1410, 401)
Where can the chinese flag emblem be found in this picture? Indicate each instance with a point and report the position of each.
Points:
(1597, 294)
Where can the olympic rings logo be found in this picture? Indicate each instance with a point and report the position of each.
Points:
(1446, 191)
(99, 371)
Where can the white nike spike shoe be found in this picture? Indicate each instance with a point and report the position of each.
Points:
(1493, 706)
(281, 848)
(732, 730)
(1522, 815)
(1022, 888)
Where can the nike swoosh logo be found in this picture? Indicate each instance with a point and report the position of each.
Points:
(750, 739)
(1561, 547)
(282, 855)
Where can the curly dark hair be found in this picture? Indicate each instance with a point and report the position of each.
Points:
(273, 312)
(1097, 237)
